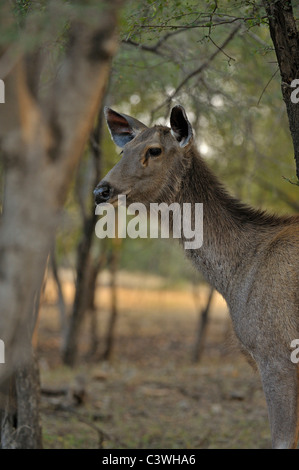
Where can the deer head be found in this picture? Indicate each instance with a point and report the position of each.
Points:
(154, 159)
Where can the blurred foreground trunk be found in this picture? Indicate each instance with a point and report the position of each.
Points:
(19, 414)
(41, 141)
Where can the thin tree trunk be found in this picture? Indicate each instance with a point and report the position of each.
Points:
(84, 269)
(70, 349)
(91, 306)
(202, 328)
(285, 39)
(109, 340)
(36, 309)
(61, 301)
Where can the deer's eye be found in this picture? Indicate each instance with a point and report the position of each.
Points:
(154, 151)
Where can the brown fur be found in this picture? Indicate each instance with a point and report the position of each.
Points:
(249, 256)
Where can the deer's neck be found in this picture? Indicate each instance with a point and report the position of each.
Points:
(232, 232)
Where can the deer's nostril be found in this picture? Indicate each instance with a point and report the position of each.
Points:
(102, 194)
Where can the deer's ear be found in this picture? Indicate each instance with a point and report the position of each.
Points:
(122, 128)
(180, 126)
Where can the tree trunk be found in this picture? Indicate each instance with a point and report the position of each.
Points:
(114, 263)
(91, 306)
(41, 149)
(60, 295)
(20, 426)
(79, 306)
(42, 140)
(202, 328)
(84, 262)
(285, 39)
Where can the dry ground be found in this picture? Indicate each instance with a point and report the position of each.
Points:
(150, 394)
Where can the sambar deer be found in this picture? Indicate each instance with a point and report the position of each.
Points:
(250, 257)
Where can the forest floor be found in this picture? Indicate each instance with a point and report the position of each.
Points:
(150, 394)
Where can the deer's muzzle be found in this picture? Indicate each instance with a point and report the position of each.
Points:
(102, 193)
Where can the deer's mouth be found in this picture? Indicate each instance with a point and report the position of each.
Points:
(119, 198)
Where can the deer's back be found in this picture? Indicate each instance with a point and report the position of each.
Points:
(265, 308)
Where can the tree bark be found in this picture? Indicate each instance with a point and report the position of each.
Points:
(20, 426)
(285, 39)
(42, 146)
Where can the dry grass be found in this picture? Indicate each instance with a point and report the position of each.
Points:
(150, 394)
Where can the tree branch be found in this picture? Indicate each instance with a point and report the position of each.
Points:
(199, 70)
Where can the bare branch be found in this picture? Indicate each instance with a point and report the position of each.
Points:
(199, 70)
(158, 44)
(220, 48)
(143, 47)
(217, 22)
(267, 84)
